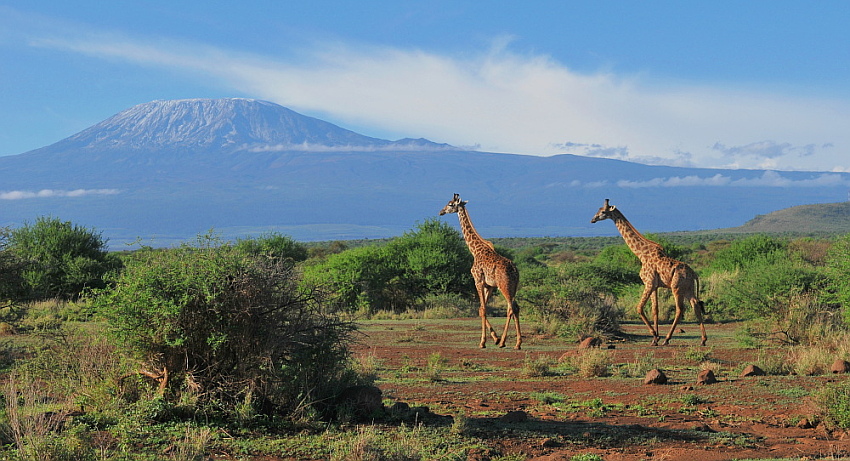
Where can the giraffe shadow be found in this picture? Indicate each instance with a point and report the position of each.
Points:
(583, 433)
(559, 433)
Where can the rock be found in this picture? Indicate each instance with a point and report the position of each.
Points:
(804, 423)
(706, 377)
(421, 410)
(7, 329)
(702, 427)
(840, 366)
(481, 454)
(752, 370)
(589, 342)
(551, 443)
(516, 416)
(360, 402)
(400, 408)
(655, 376)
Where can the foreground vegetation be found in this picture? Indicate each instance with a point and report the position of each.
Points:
(245, 348)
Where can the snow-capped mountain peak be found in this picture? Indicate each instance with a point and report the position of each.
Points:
(214, 125)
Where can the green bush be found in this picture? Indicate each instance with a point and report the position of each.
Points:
(619, 256)
(433, 259)
(399, 276)
(360, 279)
(838, 271)
(12, 284)
(63, 259)
(273, 245)
(227, 328)
(765, 287)
(834, 401)
(580, 295)
(758, 249)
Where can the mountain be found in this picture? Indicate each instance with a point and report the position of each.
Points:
(216, 127)
(166, 171)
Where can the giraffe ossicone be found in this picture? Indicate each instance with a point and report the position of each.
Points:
(657, 271)
(490, 270)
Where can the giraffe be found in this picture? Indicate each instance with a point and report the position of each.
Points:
(490, 270)
(657, 271)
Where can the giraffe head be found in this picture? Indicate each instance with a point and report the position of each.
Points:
(606, 212)
(453, 206)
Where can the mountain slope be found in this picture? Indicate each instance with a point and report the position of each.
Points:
(168, 170)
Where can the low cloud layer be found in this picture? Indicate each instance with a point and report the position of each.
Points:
(51, 193)
(505, 101)
(767, 179)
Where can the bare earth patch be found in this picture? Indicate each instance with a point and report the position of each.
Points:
(551, 412)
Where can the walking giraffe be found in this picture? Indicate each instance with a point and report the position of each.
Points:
(657, 270)
(490, 270)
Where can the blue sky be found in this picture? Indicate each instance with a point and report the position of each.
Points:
(720, 84)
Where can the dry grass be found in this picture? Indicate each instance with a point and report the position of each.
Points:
(810, 360)
(593, 362)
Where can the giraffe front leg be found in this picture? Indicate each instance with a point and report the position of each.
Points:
(483, 342)
(655, 315)
(647, 292)
(484, 293)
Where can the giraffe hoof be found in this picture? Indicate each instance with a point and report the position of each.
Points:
(517, 347)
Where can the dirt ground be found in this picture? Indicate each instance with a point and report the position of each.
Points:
(617, 417)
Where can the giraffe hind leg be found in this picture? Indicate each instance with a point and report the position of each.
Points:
(679, 310)
(513, 314)
(699, 310)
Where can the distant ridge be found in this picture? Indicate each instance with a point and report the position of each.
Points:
(820, 218)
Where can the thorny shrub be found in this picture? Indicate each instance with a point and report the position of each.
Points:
(230, 329)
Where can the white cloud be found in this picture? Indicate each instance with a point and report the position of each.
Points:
(49, 193)
(508, 102)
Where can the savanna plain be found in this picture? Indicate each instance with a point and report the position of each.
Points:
(272, 349)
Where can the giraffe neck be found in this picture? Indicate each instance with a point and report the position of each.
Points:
(641, 246)
(475, 242)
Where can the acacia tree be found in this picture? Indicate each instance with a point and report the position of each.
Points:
(62, 259)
